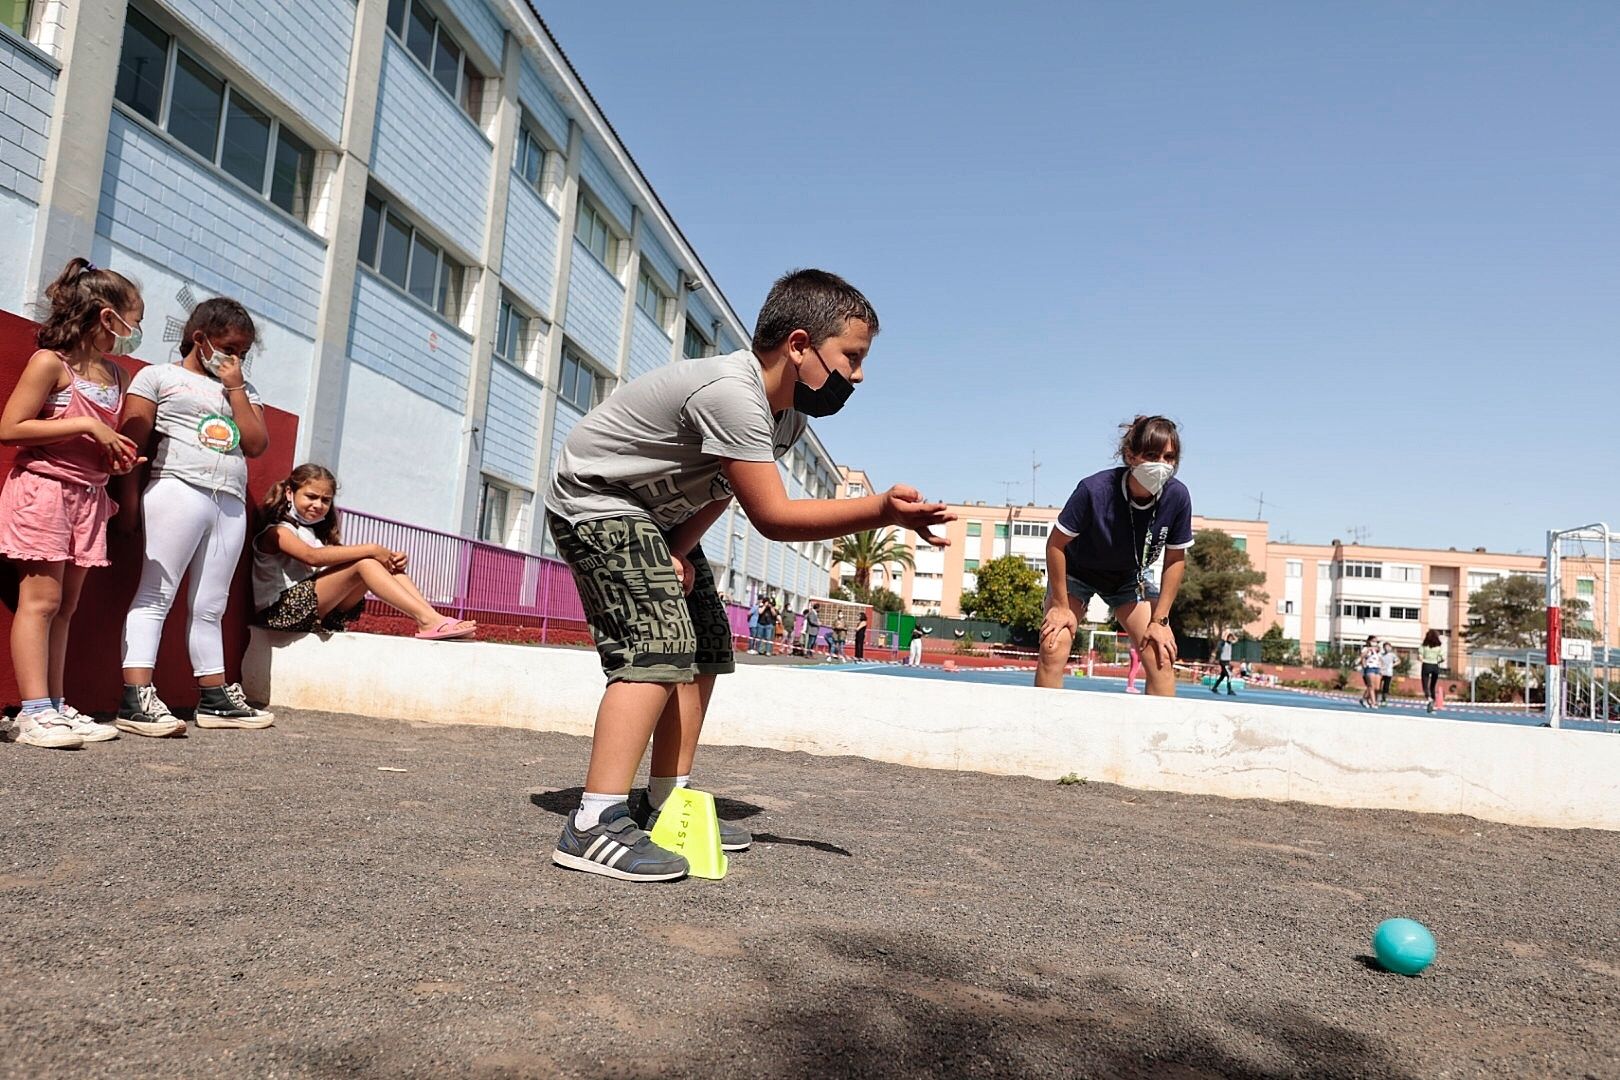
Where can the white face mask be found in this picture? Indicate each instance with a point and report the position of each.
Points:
(1153, 475)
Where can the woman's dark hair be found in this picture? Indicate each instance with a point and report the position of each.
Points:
(215, 317)
(1148, 437)
(77, 297)
(326, 530)
(1431, 639)
(814, 301)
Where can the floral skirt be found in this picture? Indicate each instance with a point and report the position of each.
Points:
(298, 611)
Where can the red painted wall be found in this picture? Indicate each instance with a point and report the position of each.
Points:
(94, 681)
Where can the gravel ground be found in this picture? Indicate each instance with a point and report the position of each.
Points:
(276, 904)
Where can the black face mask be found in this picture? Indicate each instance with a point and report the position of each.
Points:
(829, 398)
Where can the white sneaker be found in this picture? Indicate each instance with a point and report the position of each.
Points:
(86, 728)
(48, 729)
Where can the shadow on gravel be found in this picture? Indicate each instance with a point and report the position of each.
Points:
(799, 841)
(563, 800)
(880, 1006)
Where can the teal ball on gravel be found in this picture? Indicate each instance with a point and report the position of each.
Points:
(1403, 946)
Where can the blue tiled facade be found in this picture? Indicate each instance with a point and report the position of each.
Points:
(405, 435)
(428, 153)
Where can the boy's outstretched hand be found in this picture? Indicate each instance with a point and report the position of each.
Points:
(903, 506)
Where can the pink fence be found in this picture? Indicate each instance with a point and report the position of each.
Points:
(467, 577)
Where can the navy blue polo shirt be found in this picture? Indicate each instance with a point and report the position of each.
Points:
(1109, 532)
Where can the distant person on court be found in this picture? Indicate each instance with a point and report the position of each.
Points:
(838, 640)
(812, 628)
(860, 636)
(753, 625)
(1432, 654)
(306, 579)
(767, 625)
(639, 481)
(1133, 672)
(206, 421)
(64, 412)
(914, 654)
(1226, 665)
(1387, 660)
(1114, 527)
(1372, 673)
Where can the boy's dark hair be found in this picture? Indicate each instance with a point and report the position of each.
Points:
(814, 301)
(76, 298)
(214, 317)
(1149, 436)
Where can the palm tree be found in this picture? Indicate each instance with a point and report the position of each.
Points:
(865, 550)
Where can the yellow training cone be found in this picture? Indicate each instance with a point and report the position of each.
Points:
(688, 825)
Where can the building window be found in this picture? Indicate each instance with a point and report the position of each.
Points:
(393, 247)
(651, 298)
(696, 344)
(975, 528)
(1400, 572)
(1478, 579)
(440, 55)
(170, 87)
(516, 334)
(1363, 570)
(1241, 543)
(580, 385)
(1585, 586)
(1324, 571)
(1296, 568)
(494, 516)
(1288, 607)
(970, 565)
(591, 228)
(1409, 613)
(1030, 528)
(535, 161)
(1362, 611)
(14, 16)
(1001, 530)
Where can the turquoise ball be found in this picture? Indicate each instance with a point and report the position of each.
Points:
(1403, 946)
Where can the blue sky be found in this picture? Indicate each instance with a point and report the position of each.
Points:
(1367, 255)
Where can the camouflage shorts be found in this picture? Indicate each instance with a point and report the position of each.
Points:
(645, 629)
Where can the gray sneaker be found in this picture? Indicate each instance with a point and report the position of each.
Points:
(732, 837)
(47, 729)
(615, 848)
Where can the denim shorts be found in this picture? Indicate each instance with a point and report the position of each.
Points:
(1080, 591)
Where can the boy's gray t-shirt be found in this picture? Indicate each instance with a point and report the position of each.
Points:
(655, 446)
(200, 443)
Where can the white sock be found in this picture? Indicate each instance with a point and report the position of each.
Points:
(591, 806)
(659, 787)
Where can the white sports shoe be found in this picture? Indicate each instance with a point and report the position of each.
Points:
(48, 729)
(86, 728)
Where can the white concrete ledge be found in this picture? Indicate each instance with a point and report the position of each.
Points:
(1517, 775)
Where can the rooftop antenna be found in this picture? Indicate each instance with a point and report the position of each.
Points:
(1006, 491)
(1034, 468)
(1358, 533)
(1260, 506)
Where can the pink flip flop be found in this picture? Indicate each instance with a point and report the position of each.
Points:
(447, 630)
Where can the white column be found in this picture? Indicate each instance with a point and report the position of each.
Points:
(320, 425)
(488, 301)
(632, 279)
(86, 37)
(551, 367)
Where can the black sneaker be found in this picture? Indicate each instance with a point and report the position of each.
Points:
(732, 837)
(615, 848)
(227, 707)
(142, 712)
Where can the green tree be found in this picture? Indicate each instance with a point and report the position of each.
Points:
(1276, 649)
(1009, 591)
(883, 599)
(1511, 613)
(873, 548)
(1221, 588)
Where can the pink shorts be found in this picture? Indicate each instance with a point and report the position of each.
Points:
(46, 520)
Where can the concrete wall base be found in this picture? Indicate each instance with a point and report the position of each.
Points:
(1515, 775)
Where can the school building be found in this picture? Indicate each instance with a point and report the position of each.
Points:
(449, 252)
(1322, 595)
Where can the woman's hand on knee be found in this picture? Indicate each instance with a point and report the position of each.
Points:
(1058, 621)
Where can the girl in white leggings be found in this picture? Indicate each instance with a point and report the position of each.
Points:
(208, 421)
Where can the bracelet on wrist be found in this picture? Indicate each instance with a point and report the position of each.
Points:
(230, 389)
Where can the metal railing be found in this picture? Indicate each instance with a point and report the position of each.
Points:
(469, 578)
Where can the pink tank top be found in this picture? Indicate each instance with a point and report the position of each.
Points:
(79, 460)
